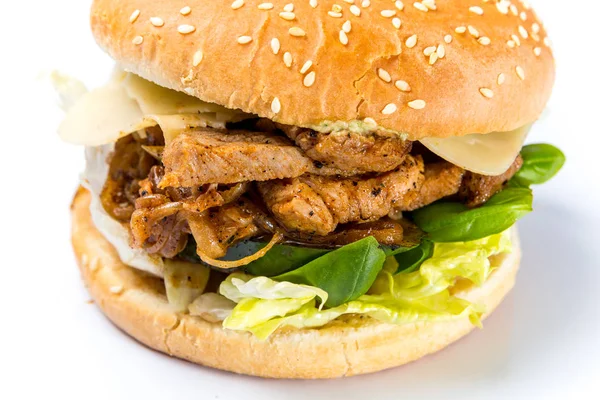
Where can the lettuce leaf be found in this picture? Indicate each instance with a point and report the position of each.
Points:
(400, 298)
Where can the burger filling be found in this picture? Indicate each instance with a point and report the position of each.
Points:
(256, 179)
(299, 227)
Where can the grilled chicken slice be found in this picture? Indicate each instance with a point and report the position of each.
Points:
(476, 189)
(441, 179)
(204, 156)
(349, 151)
(317, 204)
(208, 156)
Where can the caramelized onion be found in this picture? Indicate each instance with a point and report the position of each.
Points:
(277, 237)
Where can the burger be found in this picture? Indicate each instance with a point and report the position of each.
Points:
(312, 189)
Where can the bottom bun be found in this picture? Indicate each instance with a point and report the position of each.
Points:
(136, 302)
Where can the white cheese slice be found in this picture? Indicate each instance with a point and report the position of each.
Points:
(489, 154)
(129, 103)
(101, 116)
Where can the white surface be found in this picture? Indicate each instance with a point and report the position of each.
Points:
(543, 342)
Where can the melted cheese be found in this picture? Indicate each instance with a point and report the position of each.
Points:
(129, 103)
(489, 154)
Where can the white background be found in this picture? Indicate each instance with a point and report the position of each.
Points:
(543, 342)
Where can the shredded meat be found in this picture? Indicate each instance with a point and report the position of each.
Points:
(128, 165)
(350, 151)
(476, 189)
(317, 204)
(164, 218)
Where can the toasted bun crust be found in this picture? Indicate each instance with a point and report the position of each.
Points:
(200, 53)
(136, 302)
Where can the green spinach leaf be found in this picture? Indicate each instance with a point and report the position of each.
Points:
(540, 163)
(454, 222)
(345, 273)
(412, 259)
(283, 258)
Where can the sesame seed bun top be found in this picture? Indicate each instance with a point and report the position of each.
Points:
(424, 69)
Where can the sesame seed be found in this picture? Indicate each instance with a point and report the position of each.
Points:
(275, 45)
(355, 10)
(433, 58)
(347, 26)
(138, 40)
(349, 1)
(484, 40)
(501, 79)
(537, 51)
(448, 39)
(547, 42)
(461, 29)
(287, 59)
(237, 4)
(535, 36)
(389, 109)
(276, 105)
(384, 75)
(430, 4)
(441, 51)
(388, 13)
(309, 79)
(403, 86)
(511, 44)
(429, 50)
(156, 21)
(343, 38)
(185, 10)
(417, 104)
(288, 7)
(334, 14)
(244, 39)
(306, 67)
(197, 59)
(370, 121)
(474, 32)
(365, 3)
(520, 73)
(265, 6)
(513, 9)
(516, 39)
(523, 32)
(313, 3)
(116, 289)
(134, 16)
(396, 23)
(476, 10)
(185, 29)
(523, 16)
(502, 6)
(411, 41)
(287, 15)
(399, 5)
(297, 32)
(420, 6)
(336, 8)
(488, 93)
(535, 28)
